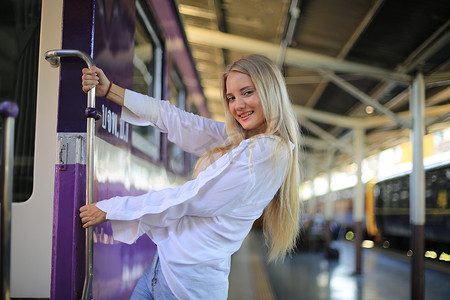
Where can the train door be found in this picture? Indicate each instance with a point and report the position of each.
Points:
(28, 29)
(124, 41)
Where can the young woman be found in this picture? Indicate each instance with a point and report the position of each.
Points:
(248, 167)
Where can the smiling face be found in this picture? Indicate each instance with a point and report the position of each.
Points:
(244, 103)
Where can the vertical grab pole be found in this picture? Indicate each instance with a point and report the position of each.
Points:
(90, 131)
(53, 57)
(8, 111)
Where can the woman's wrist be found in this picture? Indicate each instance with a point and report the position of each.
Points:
(115, 93)
(109, 89)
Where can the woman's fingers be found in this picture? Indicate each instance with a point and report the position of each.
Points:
(95, 77)
(86, 222)
(90, 79)
(91, 215)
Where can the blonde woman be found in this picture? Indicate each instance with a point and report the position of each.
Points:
(248, 168)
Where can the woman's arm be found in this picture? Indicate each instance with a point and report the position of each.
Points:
(236, 180)
(95, 77)
(193, 133)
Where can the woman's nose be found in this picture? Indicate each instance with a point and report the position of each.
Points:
(240, 103)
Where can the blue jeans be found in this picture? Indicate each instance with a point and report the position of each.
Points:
(152, 285)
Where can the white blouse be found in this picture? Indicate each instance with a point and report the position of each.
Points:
(199, 225)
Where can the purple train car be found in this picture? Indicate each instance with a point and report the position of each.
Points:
(141, 45)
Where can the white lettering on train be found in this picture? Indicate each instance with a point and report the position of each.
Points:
(109, 123)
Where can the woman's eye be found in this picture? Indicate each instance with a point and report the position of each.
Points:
(248, 92)
(230, 99)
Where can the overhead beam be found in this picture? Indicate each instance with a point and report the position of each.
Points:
(324, 135)
(418, 57)
(442, 96)
(430, 112)
(429, 47)
(369, 122)
(294, 57)
(314, 143)
(196, 12)
(327, 118)
(358, 94)
(318, 91)
(440, 78)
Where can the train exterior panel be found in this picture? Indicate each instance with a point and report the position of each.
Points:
(392, 203)
(342, 207)
(387, 208)
(141, 46)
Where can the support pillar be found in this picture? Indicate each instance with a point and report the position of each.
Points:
(312, 211)
(329, 209)
(358, 204)
(328, 213)
(312, 203)
(312, 206)
(417, 189)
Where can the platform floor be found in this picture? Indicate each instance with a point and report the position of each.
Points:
(310, 276)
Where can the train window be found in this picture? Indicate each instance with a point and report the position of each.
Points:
(177, 98)
(20, 23)
(395, 198)
(387, 192)
(397, 186)
(148, 57)
(442, 179)
(376, 190)
(429, 195)
(404, 195)
(378, 194)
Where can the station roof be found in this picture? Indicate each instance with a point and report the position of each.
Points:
(334, 55)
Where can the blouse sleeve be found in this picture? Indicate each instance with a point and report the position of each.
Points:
(235, 180)
(193, 133)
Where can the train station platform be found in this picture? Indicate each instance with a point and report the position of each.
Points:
(310, 276)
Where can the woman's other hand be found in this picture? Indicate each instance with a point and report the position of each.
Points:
(95, 77)
(91, 215)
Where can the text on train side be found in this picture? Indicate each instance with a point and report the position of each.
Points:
(109, 122)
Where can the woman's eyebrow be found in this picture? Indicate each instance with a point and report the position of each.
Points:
(242, 89)
(247, 87)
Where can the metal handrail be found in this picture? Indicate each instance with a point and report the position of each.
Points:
(53, 57)
(8, 111)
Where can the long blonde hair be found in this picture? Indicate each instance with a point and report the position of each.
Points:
(281, 216)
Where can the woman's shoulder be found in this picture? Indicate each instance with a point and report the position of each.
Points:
(262, 140)
(262, 137)
(265, 144)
